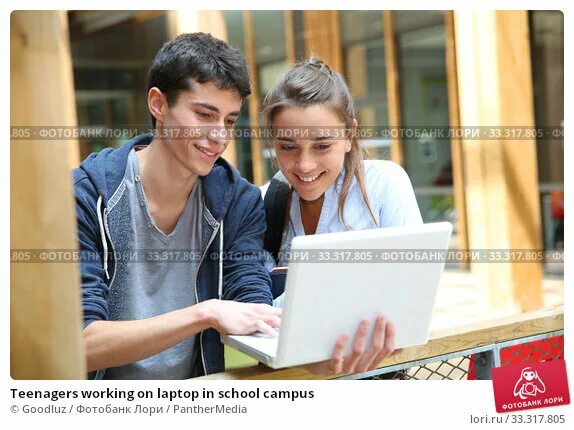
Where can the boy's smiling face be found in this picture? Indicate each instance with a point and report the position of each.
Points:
(195, 129)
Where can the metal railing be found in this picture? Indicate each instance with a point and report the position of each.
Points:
(474, 363)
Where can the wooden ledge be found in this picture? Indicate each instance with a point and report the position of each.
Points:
(441, 342)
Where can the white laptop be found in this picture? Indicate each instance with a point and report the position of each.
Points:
(331, 287)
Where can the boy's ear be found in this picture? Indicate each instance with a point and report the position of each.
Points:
(156, 103)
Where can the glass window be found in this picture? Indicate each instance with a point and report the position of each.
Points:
(547, 47)
(421, 52)
(299, 35)
(360, 25)
(365, 71)
(234, 28)
(271, 62)
(236, 38)
(111, 55)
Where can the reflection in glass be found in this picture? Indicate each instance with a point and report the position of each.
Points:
(299, 35)
(271, 62)
(421, 51)
(365, 71)
(236, 38)
(110, 68)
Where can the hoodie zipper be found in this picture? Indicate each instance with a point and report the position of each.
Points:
(197, 297)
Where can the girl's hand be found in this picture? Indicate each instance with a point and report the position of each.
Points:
(362, 358)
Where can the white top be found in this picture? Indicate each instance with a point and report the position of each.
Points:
(391, 196)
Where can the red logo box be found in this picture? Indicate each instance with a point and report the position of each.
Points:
(530, 386)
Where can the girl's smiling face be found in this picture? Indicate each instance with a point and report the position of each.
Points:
(310, 164)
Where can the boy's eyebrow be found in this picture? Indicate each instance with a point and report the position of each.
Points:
(285, 139)
(214, 108)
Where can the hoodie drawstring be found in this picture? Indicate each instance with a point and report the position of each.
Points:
(103, 236)
(220, 285)
(105, 246)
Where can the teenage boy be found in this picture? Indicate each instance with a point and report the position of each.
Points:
(170, 199)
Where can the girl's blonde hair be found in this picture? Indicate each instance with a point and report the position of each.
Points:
(312, 82)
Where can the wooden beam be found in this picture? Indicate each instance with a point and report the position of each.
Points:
(191, 20)
(457, 159)
(101, 20)
(45, 311)
(254, 108)
(289, 36)
(440, 342)
(393, 87)
(501, 176)
(147, 15)
(207, 21)
(323, 37)
(356, 73)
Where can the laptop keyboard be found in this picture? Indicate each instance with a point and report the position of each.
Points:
(259, 334)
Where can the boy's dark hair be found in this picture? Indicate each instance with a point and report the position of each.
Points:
(198, 57)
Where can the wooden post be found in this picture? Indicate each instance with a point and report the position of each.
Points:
(501, 180)
(457, 158)
(207, 21)
(289, 36)
(323, 37)
(393, 88)
(191, 20)
(356, 74)
(257, 142)
(45, 312)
